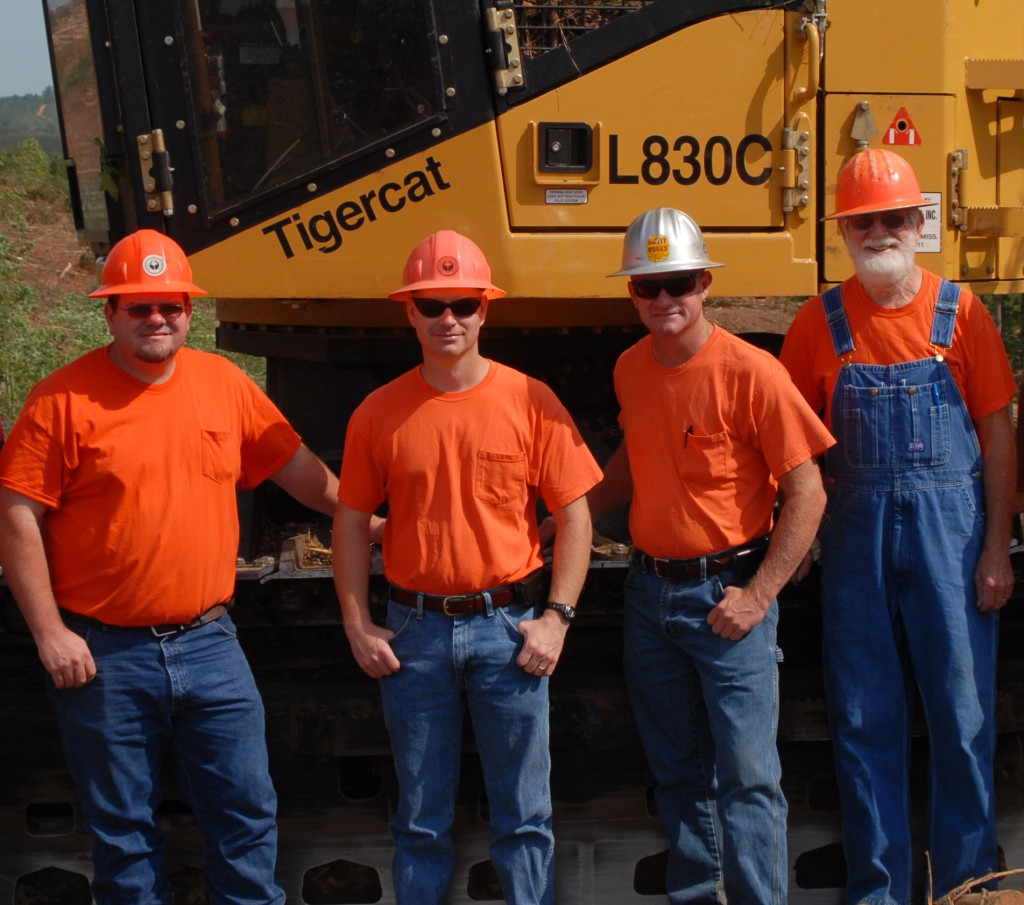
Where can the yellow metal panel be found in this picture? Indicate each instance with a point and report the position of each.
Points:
(1011, 182)
(702, 137)
(349, 244)
(919, 47)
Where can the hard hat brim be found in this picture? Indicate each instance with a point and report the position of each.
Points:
(877, 208)
(646, 268)
(146, 289)
(405, 293)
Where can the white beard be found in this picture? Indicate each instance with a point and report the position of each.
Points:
(886, 264)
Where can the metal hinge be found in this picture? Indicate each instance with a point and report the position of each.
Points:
(503, 46)
(795, 179)
(155, 164)
(979, 221)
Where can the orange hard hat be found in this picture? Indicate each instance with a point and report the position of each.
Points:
(446, 260)
(146, 262)
(876, 180)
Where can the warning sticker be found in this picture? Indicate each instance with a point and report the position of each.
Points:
(902, 131)
(566, 196)
(931, 237)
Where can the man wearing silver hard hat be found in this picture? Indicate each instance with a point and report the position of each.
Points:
(713, 428)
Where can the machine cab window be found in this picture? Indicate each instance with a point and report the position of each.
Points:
(279, 88)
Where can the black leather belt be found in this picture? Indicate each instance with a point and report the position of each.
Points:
(528, 591)
(160, 631)
(742, 560)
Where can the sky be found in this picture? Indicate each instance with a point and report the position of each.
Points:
(24, 59)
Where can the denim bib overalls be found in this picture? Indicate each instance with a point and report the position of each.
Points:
(901, 537)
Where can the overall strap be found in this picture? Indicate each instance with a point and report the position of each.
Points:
(835, 317)
(944, 320)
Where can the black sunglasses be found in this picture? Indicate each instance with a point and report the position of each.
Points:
(890, 220)
(677, 287)
(169, 311)
(435, 307)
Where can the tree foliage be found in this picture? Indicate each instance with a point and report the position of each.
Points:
(28, 116)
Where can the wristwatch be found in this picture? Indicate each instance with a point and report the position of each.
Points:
(568, 613)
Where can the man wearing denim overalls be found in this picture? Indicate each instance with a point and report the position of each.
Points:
(913, 379)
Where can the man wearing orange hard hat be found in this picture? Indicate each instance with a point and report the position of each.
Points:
(914, 383)
(461, 449)
(119, 539)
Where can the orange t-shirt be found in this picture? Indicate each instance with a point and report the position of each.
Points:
(462, 473)
(707, 441)
(140, 479)
(885, 336)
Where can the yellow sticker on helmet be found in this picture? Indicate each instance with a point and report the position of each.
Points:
(657, 248)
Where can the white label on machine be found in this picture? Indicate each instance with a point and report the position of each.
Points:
(931, 238)
(566, 196)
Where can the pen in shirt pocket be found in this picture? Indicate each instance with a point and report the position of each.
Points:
(686, 436)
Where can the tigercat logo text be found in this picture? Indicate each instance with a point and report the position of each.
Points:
(323, 231)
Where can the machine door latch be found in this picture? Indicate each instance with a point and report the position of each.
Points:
(155, 165)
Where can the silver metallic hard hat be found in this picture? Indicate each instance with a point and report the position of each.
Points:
(663, 240)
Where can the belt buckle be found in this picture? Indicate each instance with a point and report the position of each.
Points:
(173, 630)
(447, 600)
(658, 563)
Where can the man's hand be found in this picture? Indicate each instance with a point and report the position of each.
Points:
(993, 579)
(372, 651)
(543, 639)
(804, 569)
(67, 659)
(737, 613)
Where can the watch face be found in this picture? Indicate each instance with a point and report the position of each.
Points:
(567, 612)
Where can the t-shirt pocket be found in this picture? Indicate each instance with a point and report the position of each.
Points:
(703, 458)
(500, 477)
(221, 456)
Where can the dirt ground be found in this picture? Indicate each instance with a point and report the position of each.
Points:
(56, 263)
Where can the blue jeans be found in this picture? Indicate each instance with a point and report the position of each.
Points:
(192, 694)
(898, 606)
(707, 711)
(446, 661)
